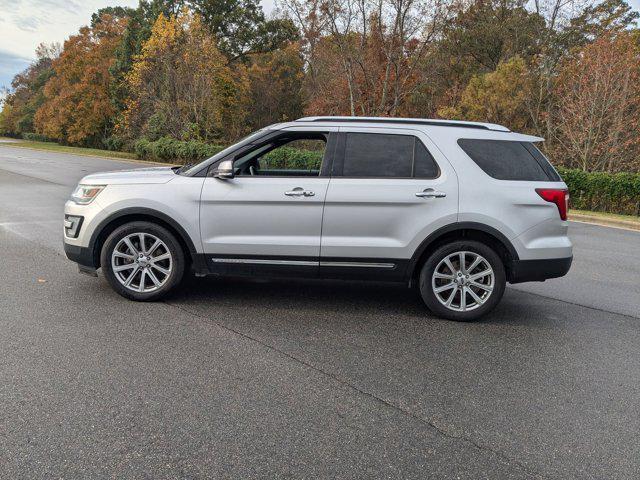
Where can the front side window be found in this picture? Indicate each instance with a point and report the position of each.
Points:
(509, 160)
(297, 156)
(387, 155)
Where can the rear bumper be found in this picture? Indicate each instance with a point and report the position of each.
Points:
(538, 270)
(81, 255)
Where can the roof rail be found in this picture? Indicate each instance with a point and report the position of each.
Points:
(415, 121)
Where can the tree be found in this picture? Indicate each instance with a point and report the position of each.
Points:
(181, 85)
(77, 108)
(479, 36)
(114, 12)
(241, 28)
(487, 33)
(371, 49)
(501, 96)
(599, 113)
(138, 30)
(597, 20)
(275, 83)
(27, 93)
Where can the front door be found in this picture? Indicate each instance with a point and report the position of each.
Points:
(268, 218)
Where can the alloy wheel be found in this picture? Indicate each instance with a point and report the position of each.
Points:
(463, 281)
(141, 262)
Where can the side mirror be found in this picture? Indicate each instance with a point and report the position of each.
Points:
(224, 170)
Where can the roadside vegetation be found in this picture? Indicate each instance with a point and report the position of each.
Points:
(603, 191)
(174, 81)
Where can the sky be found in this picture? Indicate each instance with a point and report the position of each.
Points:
(26, 23)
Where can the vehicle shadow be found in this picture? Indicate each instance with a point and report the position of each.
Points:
(322, 297)
(302, 294)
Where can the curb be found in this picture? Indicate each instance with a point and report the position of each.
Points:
(604, 221)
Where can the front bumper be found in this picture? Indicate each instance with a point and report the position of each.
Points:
(538, 270)
(83, 256)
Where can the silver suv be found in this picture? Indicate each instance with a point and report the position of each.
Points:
(456, 209)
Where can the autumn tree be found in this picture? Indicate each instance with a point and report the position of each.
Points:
(487, 33)
(501, 96)
(476, 38)
(140, 21)
(599, 105)
(77, 108)
(371, 49)
(275, 87)
(27, 93)
(181, 85)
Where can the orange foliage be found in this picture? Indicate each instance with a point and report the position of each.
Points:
(598, 115)
(77, 108)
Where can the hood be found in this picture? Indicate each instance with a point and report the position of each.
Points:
(136, 175)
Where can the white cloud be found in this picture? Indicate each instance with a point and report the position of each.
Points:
(26, 23)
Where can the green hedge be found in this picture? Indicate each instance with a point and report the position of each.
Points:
(293, 158)
(174, 151)
(603, 192)
(36, 137)
(169, 150)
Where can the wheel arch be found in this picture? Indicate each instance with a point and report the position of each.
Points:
(459, 231)
(128, 215)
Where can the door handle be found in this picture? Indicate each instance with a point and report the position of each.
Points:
(299, 192)
(431, 193)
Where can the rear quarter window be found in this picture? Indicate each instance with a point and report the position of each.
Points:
(509, 160)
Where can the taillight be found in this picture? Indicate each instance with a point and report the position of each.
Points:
(559, 196)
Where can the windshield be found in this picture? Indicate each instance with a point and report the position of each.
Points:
(191, 169)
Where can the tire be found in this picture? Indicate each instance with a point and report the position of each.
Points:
(142, 277)
(481, 293)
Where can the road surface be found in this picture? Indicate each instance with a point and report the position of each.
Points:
(254, 379)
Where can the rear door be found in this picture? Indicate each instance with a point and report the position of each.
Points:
(390, 188)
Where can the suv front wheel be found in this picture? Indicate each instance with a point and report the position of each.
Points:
(462, 280)
(142, 261)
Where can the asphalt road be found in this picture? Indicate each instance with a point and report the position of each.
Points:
(249, 379)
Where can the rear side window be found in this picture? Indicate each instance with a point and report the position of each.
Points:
(424, 166)
(382, 156)
(507, 160)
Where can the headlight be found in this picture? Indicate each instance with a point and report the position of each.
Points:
(84, 194)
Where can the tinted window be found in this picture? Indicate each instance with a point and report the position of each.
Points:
(424, 165)
(542, 161)
(383, 155)
(506, 160)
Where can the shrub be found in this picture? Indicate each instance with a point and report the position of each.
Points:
(604, 192)
(169, 150)
(115, 144)
(36, 137)
(286, 157)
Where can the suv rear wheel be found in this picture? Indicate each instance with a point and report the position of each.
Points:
(462, 280)
(142, 261)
